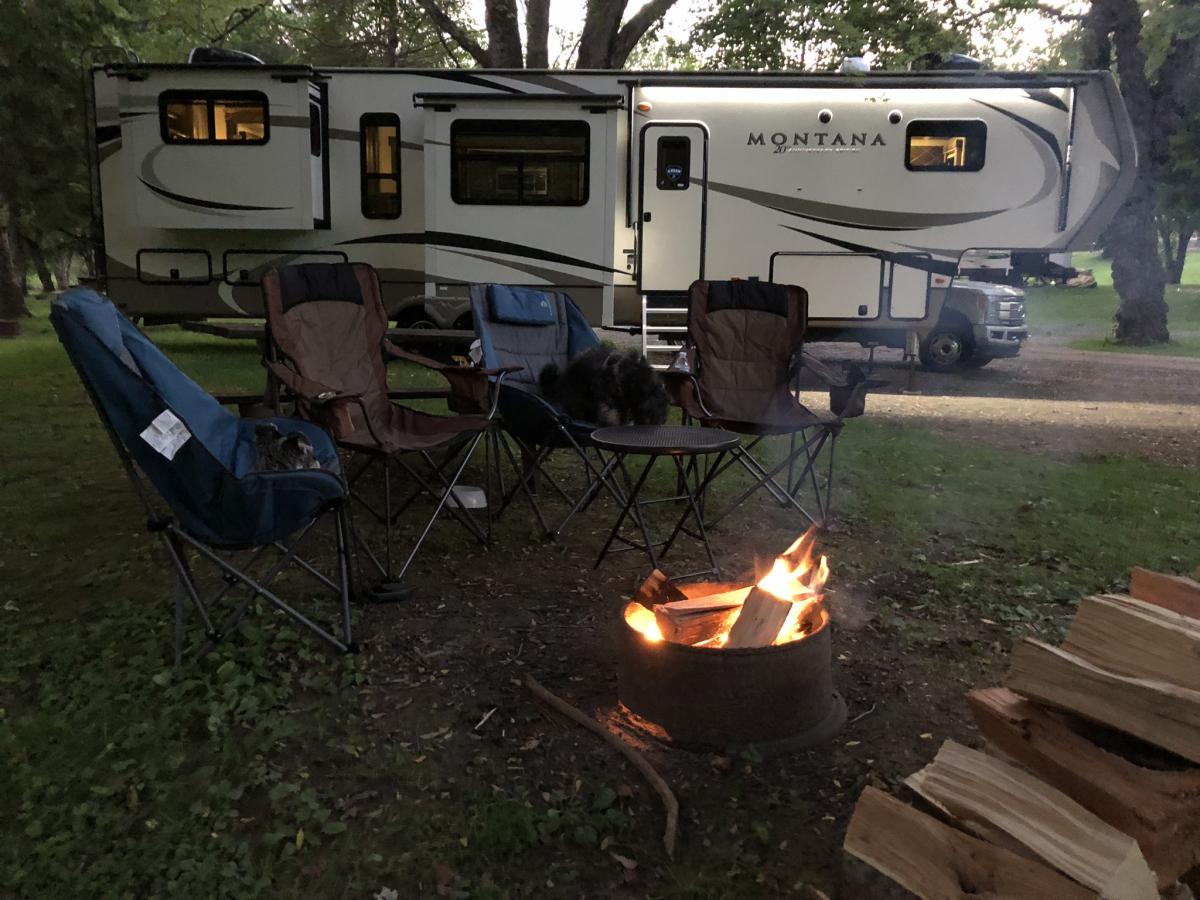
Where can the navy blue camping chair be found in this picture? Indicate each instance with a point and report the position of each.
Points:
(527, 329)
(201, 460)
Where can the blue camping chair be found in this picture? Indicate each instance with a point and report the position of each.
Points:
(526, 329)
(201, 461)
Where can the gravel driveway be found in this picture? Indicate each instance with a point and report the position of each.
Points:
(1050, 399)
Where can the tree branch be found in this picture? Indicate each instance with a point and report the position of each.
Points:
(635, 29)
(456, 32)
(1046, 9)
(236, 20)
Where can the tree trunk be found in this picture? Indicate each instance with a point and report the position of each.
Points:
(12, 301)
(504, 35)
(1176, 263)
(537, 34)
(1137, 269)
(600, 26)
(16, 252)
(34, 251)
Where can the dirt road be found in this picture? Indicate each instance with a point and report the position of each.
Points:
(1050, 399)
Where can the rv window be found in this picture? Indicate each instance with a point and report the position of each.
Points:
(674, 163)
(945, 145)
(202, 117)
(314, 129)
(519, 163)
(379, 142)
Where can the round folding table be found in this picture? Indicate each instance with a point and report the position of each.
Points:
(684, 445)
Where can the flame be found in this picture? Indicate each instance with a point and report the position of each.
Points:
(793, 577)
(642, 620)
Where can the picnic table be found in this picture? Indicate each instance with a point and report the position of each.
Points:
(434, 342)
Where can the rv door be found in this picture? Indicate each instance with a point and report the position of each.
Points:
(673, 183)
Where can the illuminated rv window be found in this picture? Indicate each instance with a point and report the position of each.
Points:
(379, 152)
(945, 145)
(206, 117)
(519, 163)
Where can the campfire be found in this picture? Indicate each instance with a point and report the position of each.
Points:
(784, 605)
(723, 665)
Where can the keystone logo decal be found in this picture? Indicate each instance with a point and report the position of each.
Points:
(814, 141)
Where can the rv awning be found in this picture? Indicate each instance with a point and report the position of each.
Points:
(591, 102)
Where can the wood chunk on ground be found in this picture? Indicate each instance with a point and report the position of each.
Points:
(979, 788)
(1163, 714)
(1159, 809)
(937, 862)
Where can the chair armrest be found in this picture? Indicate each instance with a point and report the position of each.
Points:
(825, 372)
(392, 350)
(312, 391)
(684, 391)
(472, 390)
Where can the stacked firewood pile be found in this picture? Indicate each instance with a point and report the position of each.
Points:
(1064, 804)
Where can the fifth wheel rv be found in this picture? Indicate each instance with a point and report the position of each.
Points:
(620, 188)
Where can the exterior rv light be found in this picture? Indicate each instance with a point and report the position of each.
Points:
(895, 116)
(825, 116)
(645, 106)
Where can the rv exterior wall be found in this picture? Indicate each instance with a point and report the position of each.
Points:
(808, 179)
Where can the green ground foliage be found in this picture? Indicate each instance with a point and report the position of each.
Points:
(252, 773)
(1083, 310)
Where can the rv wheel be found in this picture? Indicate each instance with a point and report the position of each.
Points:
(946, 348)
(415, 317)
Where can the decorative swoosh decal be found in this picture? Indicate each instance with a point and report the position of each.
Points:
(150, 180)
(849, 216)
(1044, 134)
(474, 242)
(913, 261)
(208, 204)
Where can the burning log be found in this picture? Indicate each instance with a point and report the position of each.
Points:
(785, 605)
(698, 620)
(760, 621)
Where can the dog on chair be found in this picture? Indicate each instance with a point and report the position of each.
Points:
(607, 386)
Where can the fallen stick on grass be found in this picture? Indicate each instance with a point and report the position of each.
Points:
(639, 761)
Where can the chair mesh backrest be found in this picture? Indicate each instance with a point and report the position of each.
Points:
(528, 328)
(329, 322)
(747, 335)
(208, 480)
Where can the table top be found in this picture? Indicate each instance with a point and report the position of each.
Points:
(665, 440)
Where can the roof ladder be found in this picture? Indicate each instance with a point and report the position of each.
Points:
(660, 342)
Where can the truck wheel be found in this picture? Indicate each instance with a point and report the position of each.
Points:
(946, 348)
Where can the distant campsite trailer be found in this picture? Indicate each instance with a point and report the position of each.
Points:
(865, 189)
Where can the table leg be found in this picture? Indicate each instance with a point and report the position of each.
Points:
(633, 489)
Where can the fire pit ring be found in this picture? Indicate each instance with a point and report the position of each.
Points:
(778, 698)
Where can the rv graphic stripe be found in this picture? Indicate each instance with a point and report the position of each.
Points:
(849, 216)
(1050, 139)
(474, 242)
(913, 261)
(207, 204)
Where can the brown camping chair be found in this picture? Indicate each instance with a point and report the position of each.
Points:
(328, 346)
(739, 371)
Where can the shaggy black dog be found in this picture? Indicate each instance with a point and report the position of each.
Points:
(607, 386)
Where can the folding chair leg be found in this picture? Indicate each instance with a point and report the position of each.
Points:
(445, 495)
(344, 577)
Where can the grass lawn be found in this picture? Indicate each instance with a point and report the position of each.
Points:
(260, 772)
(1080, 310)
